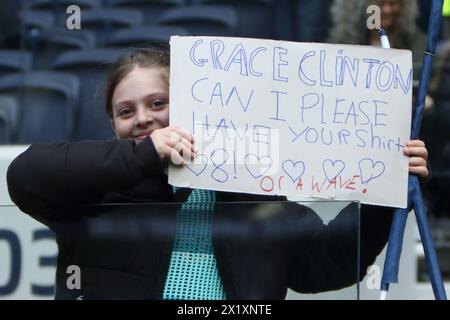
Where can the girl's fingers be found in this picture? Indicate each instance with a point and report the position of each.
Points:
(415, 143)
(185, 134)
(176, 132)
(184, 148)
(416, 148)
(420, 171)
(187, 144)
(181, 144)
(179, 136)
(416, 152)
(188, 150)
(417, 162)
(175, 156)
(418, 155)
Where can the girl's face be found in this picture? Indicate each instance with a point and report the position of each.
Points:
(140, 104)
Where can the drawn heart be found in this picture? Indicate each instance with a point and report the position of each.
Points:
(332, 169)
(370, 169)
(259, 164)
(294, 170)
(199, 165)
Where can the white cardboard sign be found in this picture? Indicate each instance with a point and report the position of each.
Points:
(297, 119)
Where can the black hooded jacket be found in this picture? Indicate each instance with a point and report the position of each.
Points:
(95, 196)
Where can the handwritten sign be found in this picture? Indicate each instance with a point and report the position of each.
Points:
(296, 119)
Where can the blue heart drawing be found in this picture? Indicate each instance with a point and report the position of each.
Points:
(195, 164)
(332, 169)
(371, 168)
(289, 167)
(259, 161)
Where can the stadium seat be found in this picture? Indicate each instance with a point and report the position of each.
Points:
(51, 4)
(143, 35)
(14, 61)
(8, 118)
(37, 19)
(10, 24)
(52, 42)
(47, 105)
(256, 17)
(104, 21)
(58, 8)
(90, 66)
(203, 20)
(152, 9)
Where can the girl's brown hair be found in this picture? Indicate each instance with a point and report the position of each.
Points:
(139, 57)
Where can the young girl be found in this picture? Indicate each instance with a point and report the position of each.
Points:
(167, 251)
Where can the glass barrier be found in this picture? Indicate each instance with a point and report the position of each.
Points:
(232, 250)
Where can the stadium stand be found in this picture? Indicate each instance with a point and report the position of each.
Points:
(152, 9)
(46, 105)
(203, 20)
(256, 17)
(90, 67)
(15, 61)
(8, 118)
(52, 42)
(58, 8)
(62, 4)
(105, 21)
(37, 19)
(143, 35)
(10, 24)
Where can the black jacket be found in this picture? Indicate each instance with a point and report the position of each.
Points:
(124, 251)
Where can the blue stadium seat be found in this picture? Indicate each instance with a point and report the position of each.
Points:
(37, 19)
(58, 8)
(8, 118)
(203, 20)
(256, 17)
(52, 42)
(90, 66)
(152, 9)
(104, 21)
(10, 24)
(47, 105)
(143, 35)
(62, 4)
(14, 61)
(312, 20)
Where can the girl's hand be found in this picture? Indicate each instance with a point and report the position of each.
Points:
(418, 155)
(174, 144)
